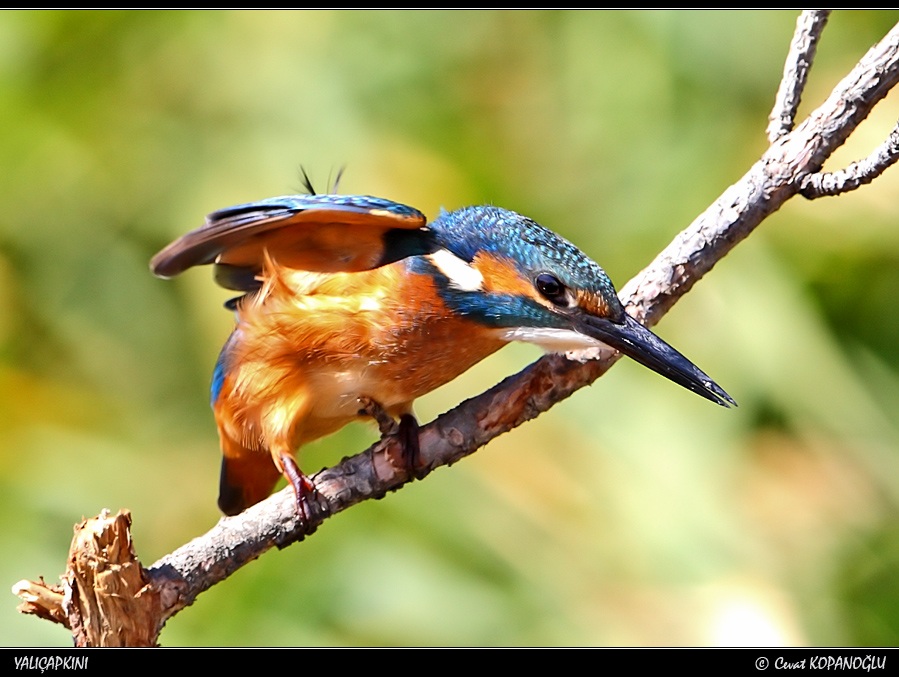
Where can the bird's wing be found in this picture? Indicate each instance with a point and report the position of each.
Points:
(324, 233)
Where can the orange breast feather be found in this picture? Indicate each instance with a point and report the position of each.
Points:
(311, 344)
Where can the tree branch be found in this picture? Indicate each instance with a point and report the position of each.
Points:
(824, 184)
(779, 174)
(809, 27)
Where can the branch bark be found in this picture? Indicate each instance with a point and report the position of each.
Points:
(823, 184)
(784, 170)
(809, 27)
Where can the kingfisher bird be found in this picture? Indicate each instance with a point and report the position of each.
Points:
(354, 306)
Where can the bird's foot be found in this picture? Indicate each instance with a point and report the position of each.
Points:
(303, 488)
(386, 423)
(406, 432)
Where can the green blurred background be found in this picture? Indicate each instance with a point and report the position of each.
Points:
(634, 513)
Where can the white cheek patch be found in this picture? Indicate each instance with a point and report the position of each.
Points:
(551, 340)
(461, 274)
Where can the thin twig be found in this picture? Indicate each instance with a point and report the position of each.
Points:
(822, 184)
(799, 59)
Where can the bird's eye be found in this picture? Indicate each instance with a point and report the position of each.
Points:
(551, 288)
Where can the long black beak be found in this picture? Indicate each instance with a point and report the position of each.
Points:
(636, 341)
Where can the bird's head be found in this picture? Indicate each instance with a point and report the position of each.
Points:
(511, 274)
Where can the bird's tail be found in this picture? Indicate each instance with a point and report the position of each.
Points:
(248, 476)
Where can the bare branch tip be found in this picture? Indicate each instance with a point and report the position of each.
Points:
(827, 184)
(799, 60)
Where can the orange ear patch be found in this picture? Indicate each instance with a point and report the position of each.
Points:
(501, 277)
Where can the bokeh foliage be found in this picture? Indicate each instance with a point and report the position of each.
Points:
(634, 513)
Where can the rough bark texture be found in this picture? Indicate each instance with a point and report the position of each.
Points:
(105, 599)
